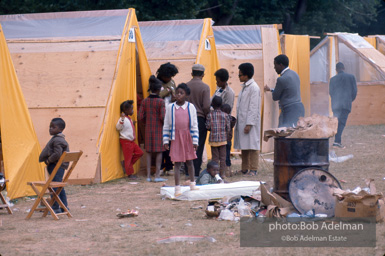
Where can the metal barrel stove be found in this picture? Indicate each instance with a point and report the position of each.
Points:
(292, 155)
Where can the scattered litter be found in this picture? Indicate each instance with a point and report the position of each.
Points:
(338, 159)
(269, 160)
(128, 213)
(188, 224)
(231, 233)
(136, 207)
(28, 210)
(128, 225)
(343, 181)
(83, 206)
(200, 207)
(133, 183)
(118, 209)
(191, 239)
(81, 220)
(226, 215)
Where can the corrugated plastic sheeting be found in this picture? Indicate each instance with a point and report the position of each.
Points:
(174, 38)
(64, 24)
(355, 40)
(381, 44)
(233, 36)
(319, 64)
(249, 36)
(356, 65)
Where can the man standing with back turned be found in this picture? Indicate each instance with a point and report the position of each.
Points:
(343, 91)
(200, 97)
(287, 92)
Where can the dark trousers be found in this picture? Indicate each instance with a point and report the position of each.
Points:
(59, 178)
(228, 150)
(219, 156)
(289, 115)
(201, 145)
(342, 116)
(166, 160)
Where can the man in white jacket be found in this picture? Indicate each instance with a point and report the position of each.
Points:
(248, 127)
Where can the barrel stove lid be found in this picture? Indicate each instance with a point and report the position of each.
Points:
(312, 189)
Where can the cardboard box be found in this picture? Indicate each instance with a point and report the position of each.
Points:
(360, 205)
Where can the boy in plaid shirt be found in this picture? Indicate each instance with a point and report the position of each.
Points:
(218, 123)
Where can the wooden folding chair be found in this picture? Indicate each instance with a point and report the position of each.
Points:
(72, 158)
(3, 203)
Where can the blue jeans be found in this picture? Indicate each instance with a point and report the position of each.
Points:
(59, 178)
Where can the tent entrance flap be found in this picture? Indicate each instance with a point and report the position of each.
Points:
(131, 61)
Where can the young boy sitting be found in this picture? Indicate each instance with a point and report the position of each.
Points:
(210, 175)
(52, 153)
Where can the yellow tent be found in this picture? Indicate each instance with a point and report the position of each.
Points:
(297, 49)
(20, 146)
(124, 88)
(207, 55)
(67, 63)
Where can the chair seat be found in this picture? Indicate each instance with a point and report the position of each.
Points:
(53, 184)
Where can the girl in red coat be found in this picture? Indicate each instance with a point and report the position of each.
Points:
(152, 112)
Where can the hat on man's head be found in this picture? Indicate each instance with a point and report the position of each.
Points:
(198, 67)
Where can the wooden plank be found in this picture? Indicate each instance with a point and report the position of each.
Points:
(270, 108)
(369, 107)
(65, 79)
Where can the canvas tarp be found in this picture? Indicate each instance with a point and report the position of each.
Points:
(20, 146)
(123, 88)
(297, 49)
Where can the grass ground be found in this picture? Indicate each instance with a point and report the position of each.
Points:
(95, 229)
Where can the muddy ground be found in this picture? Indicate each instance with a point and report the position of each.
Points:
(95, 229)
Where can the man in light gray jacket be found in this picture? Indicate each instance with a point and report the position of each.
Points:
(287, 92)
(248, 127)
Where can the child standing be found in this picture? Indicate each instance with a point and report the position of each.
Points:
(227, 109)
(218, 123)
(51, 155)
(152, 113)
(125, 126)
(181, 127)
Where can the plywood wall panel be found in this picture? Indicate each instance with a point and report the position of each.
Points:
(319, 98)
(82, 130)
(65, 79)
(369, 106)
(270, 107)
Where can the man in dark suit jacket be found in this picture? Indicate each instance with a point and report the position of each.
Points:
(287, 92)
(343, 91)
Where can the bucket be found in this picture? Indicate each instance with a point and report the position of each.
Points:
(291, 155)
